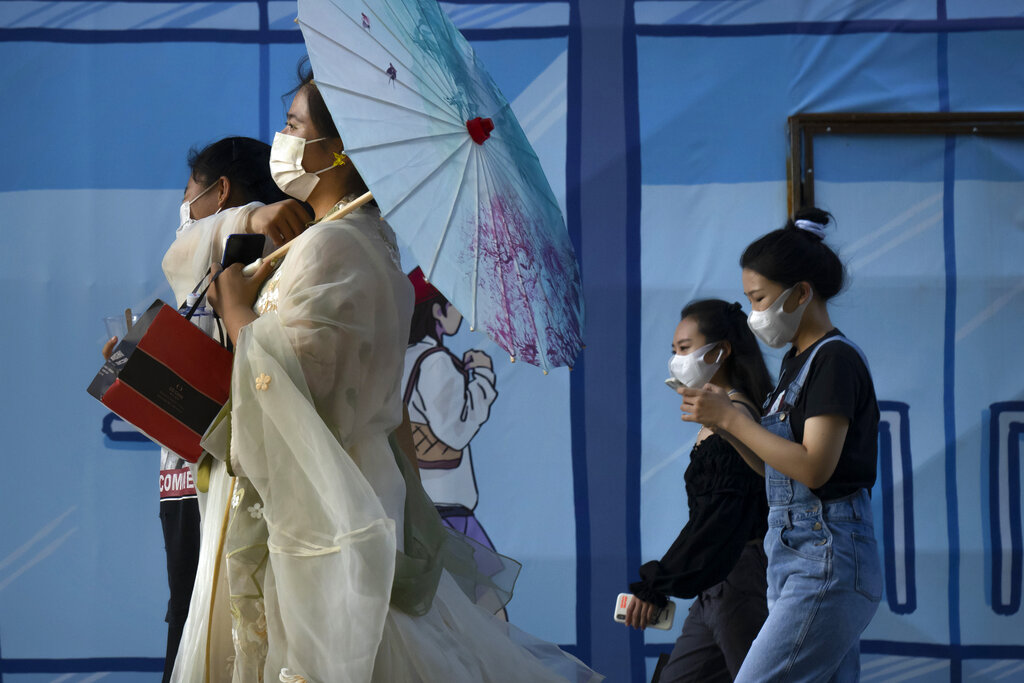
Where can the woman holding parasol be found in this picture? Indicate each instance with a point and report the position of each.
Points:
(335, 566)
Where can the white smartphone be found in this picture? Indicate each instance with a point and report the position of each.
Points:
(662, 619)
(672, 383)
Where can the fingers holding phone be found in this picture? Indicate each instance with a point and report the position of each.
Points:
(632, 611)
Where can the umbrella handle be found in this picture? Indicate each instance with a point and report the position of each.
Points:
(337, 214)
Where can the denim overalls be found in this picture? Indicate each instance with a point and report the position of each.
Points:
(824, 573)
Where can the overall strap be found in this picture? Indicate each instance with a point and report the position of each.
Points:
(797, 385)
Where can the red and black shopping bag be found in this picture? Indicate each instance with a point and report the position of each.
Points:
(168, 378)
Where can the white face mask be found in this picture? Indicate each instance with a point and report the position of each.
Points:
(286, 166)
(774, 326)
(691, 369)
(185, 210)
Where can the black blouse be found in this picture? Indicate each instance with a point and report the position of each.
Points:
(728, 508)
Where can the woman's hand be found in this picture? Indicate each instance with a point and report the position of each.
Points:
(233, 295)
(709, 406)
(475, 358)
(281, 221)
(640, 614)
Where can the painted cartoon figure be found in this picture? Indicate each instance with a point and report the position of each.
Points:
(448, 399)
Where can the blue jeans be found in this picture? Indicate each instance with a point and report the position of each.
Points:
(824, 582)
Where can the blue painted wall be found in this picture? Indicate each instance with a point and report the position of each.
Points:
(661, 125)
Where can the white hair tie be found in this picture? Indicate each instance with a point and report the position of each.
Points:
(816, 229)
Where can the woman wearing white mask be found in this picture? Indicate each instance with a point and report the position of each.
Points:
(817, 448)
(332, 562)
(717, 557)
(229, 190)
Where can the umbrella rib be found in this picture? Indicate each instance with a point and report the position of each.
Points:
(501, 280)
(499, 150)
(447, 222)
(514, 140)
(430, 73)
(401, 200)
(436, 75)
(476, 238)
(440, 100)
(461, 127)
(542, 348)
(405, 141)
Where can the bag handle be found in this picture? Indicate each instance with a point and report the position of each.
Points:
(414, 375)
(225, 342)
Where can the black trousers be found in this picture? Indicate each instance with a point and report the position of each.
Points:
(721, 624)
(180, 522)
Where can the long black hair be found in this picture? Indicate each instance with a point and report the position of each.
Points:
(744, 368)
(793, 254)
(243, 161)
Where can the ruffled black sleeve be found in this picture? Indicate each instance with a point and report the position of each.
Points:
(727, 509)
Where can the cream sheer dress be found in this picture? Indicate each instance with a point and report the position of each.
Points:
(299, 552)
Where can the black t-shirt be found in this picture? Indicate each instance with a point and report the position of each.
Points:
(838, 383)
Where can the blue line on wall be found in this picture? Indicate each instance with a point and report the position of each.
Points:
(234, 36)
(949, 401)
(830, 28)
(154, 35)
(634, 401)
(264, 75)
(904, 649)
(888, 464)
(949, 357)
(577, 383)
(81, 666)
(517, 33)
(1009, 443)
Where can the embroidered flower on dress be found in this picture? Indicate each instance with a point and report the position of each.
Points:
(288, 677)
(256, 631)
(262, 382)
(237, 498)
(256, 511)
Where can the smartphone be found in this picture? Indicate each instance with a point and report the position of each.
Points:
(662, 620)
(673, 384)
(242, 248)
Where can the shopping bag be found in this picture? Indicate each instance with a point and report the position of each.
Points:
(168, 378)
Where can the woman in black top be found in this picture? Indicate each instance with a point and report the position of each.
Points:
(816, 446)
(717, 557)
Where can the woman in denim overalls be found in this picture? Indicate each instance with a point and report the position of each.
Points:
(824, 574)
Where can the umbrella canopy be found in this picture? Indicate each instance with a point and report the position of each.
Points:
(450, 168)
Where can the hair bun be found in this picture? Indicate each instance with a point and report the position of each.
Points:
(812, 227)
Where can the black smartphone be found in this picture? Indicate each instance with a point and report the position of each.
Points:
(242, 248)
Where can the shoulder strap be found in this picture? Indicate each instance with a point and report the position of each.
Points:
(797, 385)
(414, 374)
